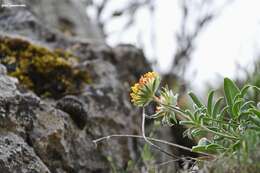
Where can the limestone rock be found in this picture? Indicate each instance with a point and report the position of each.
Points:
(75, 108)
(17, 157)
(69, 17)
(56, 135)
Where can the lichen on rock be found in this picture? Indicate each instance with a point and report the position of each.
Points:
(47, 73)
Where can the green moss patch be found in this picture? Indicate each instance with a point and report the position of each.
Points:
(46, 72)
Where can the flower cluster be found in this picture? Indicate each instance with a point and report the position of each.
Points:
(142, 93)
(164, 110)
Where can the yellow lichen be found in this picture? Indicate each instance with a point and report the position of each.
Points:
(46, 72)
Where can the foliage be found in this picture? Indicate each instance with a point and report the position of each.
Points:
(229, 126)
(146, 161)
(251, 77)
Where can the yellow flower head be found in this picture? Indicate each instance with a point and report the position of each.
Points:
(143, 91)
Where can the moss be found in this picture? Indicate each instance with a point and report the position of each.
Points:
(48, 73)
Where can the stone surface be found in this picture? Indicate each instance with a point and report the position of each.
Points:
(7, 86)
(3, 70)
(56, 135)
(75, 108)
(17, 157)
(68, 17)
(49, 132)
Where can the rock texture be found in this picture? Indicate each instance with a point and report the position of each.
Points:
(41, 134)
(17, 157)
(68, 17)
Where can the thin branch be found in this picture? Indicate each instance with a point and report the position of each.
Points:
(151, 139)
(149, 142)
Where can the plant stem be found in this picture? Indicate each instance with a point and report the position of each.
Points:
(218, 133)
(149, 142)
(174, 108)
(222, 122)
(151, 139)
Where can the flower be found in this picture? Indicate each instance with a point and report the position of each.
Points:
(142, 93)
(164, 110)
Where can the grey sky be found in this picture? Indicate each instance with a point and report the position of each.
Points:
(232, 38)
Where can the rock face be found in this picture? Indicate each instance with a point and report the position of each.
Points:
(42, 134)
(17, 157)
(68, 17)
(75, 108)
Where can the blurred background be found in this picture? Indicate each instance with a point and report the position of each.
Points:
(196, 42)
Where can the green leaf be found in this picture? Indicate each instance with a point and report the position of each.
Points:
(236, 107)
(216, 107)
(218, 138)
(236, 145)
(256, 112)
(196, 100)
(187, 133)
(197, 115)
(222, 113)
(256, 88)
(198, 132)
(190, 114)
(255, 120)
(213, 147)
(198, 148)
(244, 115)
(247, 105)
(231, 91)
(244, 90)
(172, 118)
(130, 166)
(146, 153)
(210, 148)
(210, 102)
(187, 123)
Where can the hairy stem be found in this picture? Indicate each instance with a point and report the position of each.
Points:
(149, 142)
(149, 138)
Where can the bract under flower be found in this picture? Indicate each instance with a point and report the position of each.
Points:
(163, 110)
